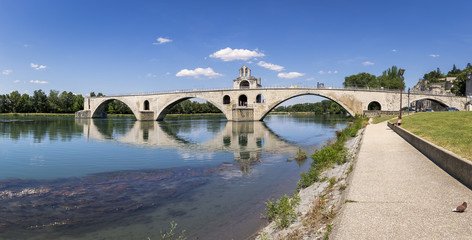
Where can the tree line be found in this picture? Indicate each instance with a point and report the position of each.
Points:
(325, 106)
(391, 79)
(39, 102)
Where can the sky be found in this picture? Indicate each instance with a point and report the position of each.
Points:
(131, 47)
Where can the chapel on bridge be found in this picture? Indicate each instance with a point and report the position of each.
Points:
(245, 80)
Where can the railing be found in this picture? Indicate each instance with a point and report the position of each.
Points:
(367, 89)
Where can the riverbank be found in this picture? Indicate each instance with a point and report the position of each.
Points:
(318, 203)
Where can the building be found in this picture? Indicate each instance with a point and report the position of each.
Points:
(245, 80)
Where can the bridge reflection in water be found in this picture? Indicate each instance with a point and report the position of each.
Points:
(247, 140)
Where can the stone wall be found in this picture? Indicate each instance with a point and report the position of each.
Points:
(455, 165)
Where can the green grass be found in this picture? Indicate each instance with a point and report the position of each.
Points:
(450, 130)
(330, 155)
(382, 119)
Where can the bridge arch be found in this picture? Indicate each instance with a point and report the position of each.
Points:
(259, 98)
(99, 110)
(226, 99)
(374, 105)
(278, 102)
(242, 100)
(430, 98)
(162, 112)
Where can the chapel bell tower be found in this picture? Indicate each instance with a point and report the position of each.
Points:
(245, 80)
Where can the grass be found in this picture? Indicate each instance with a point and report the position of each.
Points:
(384, 118)
(330, 155)
(450, 130)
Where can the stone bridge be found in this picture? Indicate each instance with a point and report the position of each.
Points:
(249, 101)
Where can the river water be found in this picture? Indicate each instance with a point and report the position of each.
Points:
(66, 178)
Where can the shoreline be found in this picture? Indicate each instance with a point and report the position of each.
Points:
(319, 202)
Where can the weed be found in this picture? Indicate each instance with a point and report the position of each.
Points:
(330, 155)
(300, 155)
(332, 181)
(282, 211)
(328, 231)
(342, 187)
(350, 201)
(171, 234)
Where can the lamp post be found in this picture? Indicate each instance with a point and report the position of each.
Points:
(408, 101)
(401, 71)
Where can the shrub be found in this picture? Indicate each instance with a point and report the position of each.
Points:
(282, 211)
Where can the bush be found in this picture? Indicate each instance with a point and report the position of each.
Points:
(283, 211)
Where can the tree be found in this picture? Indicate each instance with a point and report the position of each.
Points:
(454, 71)
(459, 85)
(53, 101)
(40, 101)
(361, 80)
(391, 79)
(15, 98)
(469, 66)
(26, 105)
(434, 76)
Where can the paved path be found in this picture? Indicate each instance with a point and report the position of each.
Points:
(401, 194)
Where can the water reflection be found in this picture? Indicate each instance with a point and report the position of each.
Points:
(247, 140)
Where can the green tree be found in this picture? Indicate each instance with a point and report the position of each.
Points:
(434, 76)
(361, 80)
(5, 104)
(25, 105)
(391, 79)
(459, 86)
(15, 98)
(53, 101)
(40, 101)
(454, 71)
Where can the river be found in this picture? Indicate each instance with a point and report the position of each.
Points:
(66, 178)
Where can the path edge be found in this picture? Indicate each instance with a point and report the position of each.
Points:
(457, 166)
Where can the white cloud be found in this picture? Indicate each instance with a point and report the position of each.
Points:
(26, 45)
(368, 63)
(197, 72)
(161, 40)
(37, 66)
(270, 66)
(150, 75)
(16, 81)
(394, 50)
(310, 79)
(434, 55)
(7, 72)
(290, 75)
(328, 72)
(38, 82)
(229, 54)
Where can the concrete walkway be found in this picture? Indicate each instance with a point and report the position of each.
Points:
(398, 193)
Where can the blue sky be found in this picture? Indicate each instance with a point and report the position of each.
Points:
(125, 47)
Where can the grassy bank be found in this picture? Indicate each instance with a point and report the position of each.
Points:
(282, 211)
(450, 130)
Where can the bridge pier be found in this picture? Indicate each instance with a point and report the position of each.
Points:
(242, 114)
